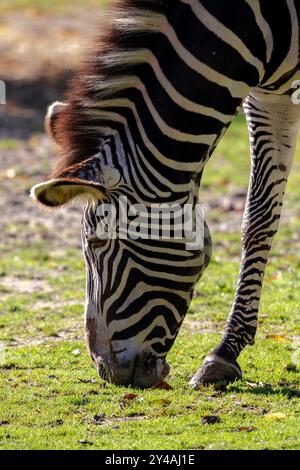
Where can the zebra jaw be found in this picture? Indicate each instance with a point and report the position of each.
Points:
(215, 369)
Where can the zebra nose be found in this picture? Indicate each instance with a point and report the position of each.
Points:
(146, 377)
(122, 374)
(137, 372)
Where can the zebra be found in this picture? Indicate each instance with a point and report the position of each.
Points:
(141, 119)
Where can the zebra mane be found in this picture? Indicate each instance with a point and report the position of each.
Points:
(125, 39)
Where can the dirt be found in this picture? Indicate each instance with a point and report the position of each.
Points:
(38, 57)
(25, 285)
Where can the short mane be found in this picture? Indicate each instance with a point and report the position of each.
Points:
(128, 28)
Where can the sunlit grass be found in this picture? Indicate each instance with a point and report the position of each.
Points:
(50, 393)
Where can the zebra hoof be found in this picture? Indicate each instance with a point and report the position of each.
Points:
(215, 369)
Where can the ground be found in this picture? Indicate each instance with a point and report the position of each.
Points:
(50, 394)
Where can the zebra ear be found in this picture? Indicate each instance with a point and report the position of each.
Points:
(60, 191)
(82, 181)
(51, 118)
(88, 180)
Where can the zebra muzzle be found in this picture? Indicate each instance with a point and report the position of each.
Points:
(139, 372)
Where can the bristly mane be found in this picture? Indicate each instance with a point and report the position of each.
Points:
(128, 28)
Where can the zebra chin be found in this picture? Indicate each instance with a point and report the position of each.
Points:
(139, 372)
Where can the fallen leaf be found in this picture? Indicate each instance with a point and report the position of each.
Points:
(275, 416)
(130, 396)
(126, 399)
(279, 338)
(210, 419)
(164, 386)
(246, 429)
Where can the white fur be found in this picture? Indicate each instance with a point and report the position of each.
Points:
(55, 108)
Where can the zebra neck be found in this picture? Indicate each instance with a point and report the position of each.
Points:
(164, 81)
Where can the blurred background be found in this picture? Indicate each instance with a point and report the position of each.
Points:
(41, 46)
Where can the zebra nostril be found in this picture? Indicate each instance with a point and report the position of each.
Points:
(149, 373)
(118, 374)
(143, 371)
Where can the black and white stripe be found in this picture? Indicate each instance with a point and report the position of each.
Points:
(151, 107)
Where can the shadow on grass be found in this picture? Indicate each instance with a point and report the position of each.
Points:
(12, 366)
(267, 389)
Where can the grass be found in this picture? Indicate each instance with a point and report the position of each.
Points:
(51, 396)
(50, 403)
(9, 144)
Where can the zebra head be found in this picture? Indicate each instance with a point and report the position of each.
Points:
(138, 290)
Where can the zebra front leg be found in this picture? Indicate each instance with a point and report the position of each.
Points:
(273, 124)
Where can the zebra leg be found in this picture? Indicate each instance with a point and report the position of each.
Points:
(273, 124)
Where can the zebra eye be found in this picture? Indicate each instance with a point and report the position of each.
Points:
(94, 242)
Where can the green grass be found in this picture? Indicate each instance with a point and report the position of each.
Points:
(49, 396)
(9, 144)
